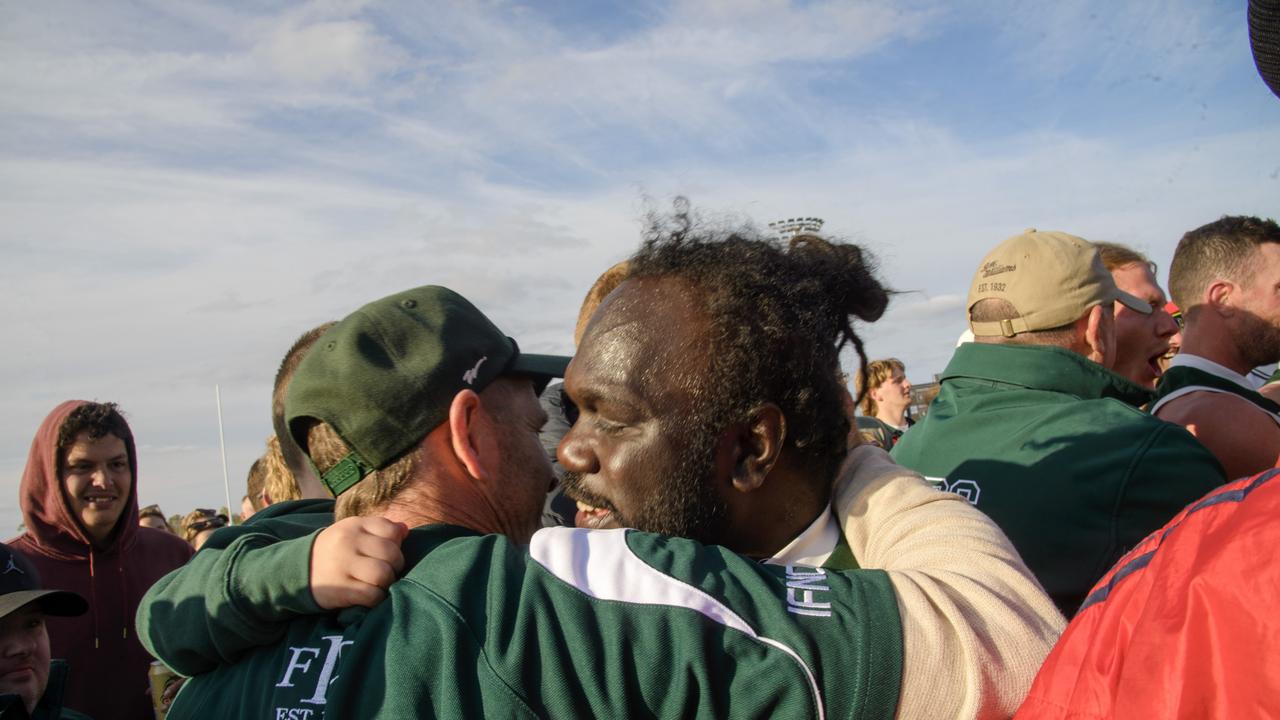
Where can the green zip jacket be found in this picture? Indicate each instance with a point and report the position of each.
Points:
(1053, 447)
(584, 623)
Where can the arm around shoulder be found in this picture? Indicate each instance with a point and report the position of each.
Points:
(976, 624)
(235, 594)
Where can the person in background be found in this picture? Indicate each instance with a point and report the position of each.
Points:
(886, 396)
(1226, 278)
(1143, 340)
(1032, 426)
(31, 683)
(199, 524)
(252, 501)
(1175, 342)
(79, 497)
(153, 517)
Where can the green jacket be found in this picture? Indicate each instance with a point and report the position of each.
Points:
(50, 705)
(585, 623)
(1054, 448)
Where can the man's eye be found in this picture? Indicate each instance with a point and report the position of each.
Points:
(609, 428)
(119, 465)
(570, 410)
(34, 623)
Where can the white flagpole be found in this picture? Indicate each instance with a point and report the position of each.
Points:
(222, 445)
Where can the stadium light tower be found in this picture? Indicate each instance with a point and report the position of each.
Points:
(791, 227)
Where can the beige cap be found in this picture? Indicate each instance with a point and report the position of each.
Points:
(1051, 278)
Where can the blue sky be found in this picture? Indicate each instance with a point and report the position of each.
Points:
(187, 186)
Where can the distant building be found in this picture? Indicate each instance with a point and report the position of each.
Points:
(921, 396)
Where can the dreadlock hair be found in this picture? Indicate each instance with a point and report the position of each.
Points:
(780, 314)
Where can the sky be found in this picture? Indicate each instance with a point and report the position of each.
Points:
(186, 186)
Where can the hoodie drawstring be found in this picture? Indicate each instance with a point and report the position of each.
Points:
(124, 592)
(93, 597)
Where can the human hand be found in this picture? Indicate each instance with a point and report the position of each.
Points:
(355, 560)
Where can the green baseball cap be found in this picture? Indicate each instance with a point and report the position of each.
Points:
(385, 375)
(1051, 279)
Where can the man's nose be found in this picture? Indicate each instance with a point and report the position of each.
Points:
(101, 478)
(574, 452)
(1166, 326)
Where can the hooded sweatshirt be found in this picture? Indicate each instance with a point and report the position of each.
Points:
(108, 665)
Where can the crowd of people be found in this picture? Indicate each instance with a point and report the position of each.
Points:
(696, 515)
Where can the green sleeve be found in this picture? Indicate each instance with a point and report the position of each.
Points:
(236, 594)
(1174, 471)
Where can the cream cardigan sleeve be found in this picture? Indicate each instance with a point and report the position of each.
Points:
(976, 624)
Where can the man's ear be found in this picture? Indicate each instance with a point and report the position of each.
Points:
(1219, 295)
(1100, 336)
(464, 418)
(758, 446)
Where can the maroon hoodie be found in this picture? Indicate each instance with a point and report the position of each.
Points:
(108, 677)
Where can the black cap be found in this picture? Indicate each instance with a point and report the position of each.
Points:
(20, 585)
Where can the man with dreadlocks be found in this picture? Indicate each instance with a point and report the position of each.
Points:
(707, 405)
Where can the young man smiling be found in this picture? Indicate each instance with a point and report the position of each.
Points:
(79, 498)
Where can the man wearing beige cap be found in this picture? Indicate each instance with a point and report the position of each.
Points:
(1035, 429)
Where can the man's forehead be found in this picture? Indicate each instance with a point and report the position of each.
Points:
(642, 326)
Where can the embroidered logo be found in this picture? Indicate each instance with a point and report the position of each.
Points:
(12, 567)
(469, 377)
(995, 268)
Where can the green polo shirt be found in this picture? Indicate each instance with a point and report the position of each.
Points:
(1054, 448)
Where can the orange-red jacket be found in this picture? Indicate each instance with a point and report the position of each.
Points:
(1185, 625)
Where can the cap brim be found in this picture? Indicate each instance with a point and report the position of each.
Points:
(542, 368)
(1133, 302)
(61, 603)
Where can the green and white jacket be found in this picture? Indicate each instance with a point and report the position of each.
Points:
(583, 623)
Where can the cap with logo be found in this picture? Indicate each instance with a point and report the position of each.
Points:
(386, 374)
(20, 584)
(1050, 278)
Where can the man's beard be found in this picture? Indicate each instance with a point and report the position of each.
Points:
(684, 504)
(1258, 340)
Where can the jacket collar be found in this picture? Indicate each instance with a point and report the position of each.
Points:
(1043, 367)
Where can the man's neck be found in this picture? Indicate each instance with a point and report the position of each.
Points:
(897, 417)
(1215, 346)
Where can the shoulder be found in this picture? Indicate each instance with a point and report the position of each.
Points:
(162, 546)
(1205, 407)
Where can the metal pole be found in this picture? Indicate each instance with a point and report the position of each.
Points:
(222, 446)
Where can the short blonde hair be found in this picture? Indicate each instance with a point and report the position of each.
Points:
(877, 372)
(372, 493)
(600, 289)
(277, 482)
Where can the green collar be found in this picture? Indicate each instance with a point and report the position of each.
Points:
(1043, 367)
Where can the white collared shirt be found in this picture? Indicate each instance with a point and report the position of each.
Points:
(813, 546)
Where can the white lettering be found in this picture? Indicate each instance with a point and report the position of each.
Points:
(967, 489)
(294, 713)
(294, 664)
(802, 583)
(336, 643)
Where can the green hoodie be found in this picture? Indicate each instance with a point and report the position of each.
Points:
(1053, 447)
(583, 623)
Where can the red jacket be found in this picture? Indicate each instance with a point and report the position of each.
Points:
(108, 677)
(1183, 626)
